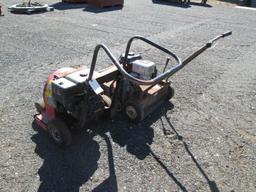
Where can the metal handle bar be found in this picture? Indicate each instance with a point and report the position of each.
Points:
(220, 36)
(198, 52)
(150, 43)
(203, 48)
(116, 63)
(160, 77)
(120, 68)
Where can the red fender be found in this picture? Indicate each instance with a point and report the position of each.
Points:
(50, 113)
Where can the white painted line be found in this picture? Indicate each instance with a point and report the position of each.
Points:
(248, 8)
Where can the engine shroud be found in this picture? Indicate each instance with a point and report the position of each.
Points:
(73, 96)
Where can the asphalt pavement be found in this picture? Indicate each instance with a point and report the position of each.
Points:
(204, 139)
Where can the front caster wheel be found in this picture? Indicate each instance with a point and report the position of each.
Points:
(59, 132)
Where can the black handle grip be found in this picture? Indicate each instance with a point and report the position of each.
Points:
(227, 34)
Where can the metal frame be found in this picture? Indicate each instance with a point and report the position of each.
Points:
(122, 70)
(165, 74)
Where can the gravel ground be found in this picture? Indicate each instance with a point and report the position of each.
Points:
(203, 140)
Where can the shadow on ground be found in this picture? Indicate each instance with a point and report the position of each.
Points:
(65, 169)
(109, 184)
(178, 4)
(237, 2)
(93, 9)
(66, 6)
(68, 169)
(174, 3)
(85, 7)
(211, 184)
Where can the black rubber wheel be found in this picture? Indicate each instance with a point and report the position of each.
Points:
(40, 105)
(59, 132)
(170, 93)
(134, 111)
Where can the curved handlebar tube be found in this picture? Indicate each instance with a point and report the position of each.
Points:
(122, 70)
(117, 64)
(203, 48)
(152, 44)
(160, 77)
